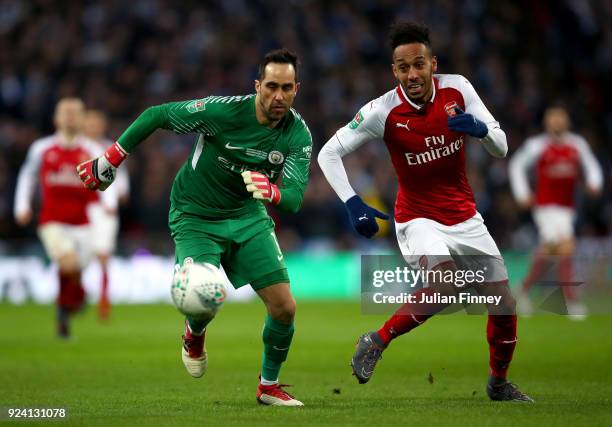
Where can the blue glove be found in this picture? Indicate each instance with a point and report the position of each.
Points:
(363, 216)
(467, 123)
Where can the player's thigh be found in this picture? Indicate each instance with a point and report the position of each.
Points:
(422, 244)
(196, 239)
(474, 250)
(255, 256)
(555, 224)
(64, 241)
(105, 227)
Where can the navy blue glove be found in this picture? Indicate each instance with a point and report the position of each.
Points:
(363, 216)
(467, 123)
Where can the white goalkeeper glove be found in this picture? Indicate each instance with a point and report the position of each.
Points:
(98, 174)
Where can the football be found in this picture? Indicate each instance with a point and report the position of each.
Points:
(198, 290)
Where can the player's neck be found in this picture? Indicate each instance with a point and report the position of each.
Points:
(68, 138)
(558, 134)
(422, 100)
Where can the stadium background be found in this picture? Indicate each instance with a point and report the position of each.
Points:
(122, 57)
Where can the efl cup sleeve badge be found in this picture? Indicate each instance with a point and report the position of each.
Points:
(276, 157)
(356, 121)
(195, 106)
(449, 107)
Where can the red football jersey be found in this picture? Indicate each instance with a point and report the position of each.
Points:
(558, 163)
(428, 157)
(51, 165)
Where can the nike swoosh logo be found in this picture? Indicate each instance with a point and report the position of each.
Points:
(280, 349)
(280, 257)
(231, 147)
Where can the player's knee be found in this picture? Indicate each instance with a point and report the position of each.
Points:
(506, 305)
(565, 248)
(284, 310)
(69, 263)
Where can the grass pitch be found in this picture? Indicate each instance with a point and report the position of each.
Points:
(129, 372)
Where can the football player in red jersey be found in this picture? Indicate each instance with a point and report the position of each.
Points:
(557, 156)
(104, 221)
(63, 225)
(424, 122)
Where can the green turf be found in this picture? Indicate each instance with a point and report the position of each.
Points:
(128, 372)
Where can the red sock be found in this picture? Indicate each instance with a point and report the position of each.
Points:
(535, 272)
(566, 278)
(501, 335)
(409, 316)
(104, 306)
(71, 294)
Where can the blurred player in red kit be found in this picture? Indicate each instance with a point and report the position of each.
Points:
(105, 219)
(557, 156)
(424, 122)
(63, 225)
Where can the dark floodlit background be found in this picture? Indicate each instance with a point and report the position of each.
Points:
(124, 56)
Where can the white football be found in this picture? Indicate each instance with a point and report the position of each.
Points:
(198, 290)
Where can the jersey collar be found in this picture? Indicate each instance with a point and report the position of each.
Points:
(60, 140)
(414, 105)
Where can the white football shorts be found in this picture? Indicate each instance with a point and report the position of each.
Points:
(105, 227)
(426, 243)
(60, 239)
(555, 223)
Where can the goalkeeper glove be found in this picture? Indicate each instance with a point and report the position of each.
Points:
(261, 187)
(98, 174)
(363, 216)
(466, 123)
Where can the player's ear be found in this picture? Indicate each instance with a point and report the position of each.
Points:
(297, 87)
(257, 86)
(394, 68)
(434, 64)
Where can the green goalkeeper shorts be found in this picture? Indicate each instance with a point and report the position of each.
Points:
(246, 246)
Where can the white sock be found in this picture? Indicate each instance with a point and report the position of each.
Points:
(264, 381)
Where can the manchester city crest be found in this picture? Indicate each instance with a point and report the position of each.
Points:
(276, 157)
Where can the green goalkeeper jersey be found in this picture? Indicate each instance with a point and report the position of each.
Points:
(230, 141)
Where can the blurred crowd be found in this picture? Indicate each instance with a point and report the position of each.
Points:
(121, 57)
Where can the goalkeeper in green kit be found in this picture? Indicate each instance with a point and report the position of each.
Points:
(244, 145)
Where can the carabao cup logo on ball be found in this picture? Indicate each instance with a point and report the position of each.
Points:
(198, 290)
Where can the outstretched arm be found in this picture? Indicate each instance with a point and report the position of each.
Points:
(180, 117)
(364, 128)
(26, 184)
(518, 167)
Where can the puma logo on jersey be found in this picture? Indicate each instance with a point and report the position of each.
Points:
(403, 125)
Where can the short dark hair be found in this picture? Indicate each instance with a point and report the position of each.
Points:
(279, 56)
(408, 32)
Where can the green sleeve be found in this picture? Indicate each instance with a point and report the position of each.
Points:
(180, 117)
(295, 173)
